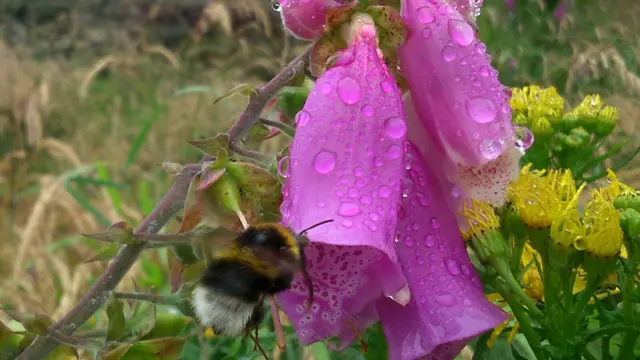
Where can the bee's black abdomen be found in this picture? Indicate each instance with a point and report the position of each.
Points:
(236, 279)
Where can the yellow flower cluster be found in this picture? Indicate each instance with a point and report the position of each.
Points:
(594, 115)
(536, 102)
(548, 199)
(480, 219)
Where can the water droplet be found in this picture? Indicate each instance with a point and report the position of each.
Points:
(484, 71)
(352, 192)
(324, 162)
(371, 225)
(402, 297)
(435, 224)
(446, 299)
(384, 191)
(490, 149)
(349, 90)
(367, 110)
(321, 204)
(407, 184)
(426, 15)
(524, 137)
(452, 267)
(378, 161)
(386, 86)
(283, 167)
(408, 241)
(325, 88)
(366, 200)
(395, 127)
(394, 151)
(302, 118)
(481, 48)
(426, 33)
(461, 32)
(347, 223)
(285, 208)
(481, 110)
(430, 240)
(448, 53)
(348, 209)
(275, 5)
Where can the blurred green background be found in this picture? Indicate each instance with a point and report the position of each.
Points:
(94, 94)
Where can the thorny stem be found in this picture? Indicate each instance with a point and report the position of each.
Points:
(172, 202)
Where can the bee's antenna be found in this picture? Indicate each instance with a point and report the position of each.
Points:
(315, 225)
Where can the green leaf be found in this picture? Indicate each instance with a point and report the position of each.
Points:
(291, 100)
(168, 325)
(214, 146)
(119, 232)
(103, 174)
(242, 89)
(117, 353)
(108, 253)
(157, 349)
(143, 319)
(33, 323)
(63, 352)
(143, 134)
(117, 322)
(254, 181)
(9, 343)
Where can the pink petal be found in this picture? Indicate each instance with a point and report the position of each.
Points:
(448, 306)
(346, 164)
(487, 182)
(305, 19)
(455, 90)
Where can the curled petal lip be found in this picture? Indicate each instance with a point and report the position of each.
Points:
(346, 164)
(448, 306)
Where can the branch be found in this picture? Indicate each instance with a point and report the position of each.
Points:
(172, 202)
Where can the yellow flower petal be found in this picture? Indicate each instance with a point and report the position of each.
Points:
(603, 235)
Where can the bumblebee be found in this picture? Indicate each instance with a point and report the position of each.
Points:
(245, 268)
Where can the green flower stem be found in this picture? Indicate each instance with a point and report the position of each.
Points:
(523, 319)
(516, 289)
(629, 313)
(585, 295)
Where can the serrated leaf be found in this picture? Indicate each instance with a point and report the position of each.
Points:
(142, 320)
(242, 89)
(257, 132)
(158, 349)
(254, 181)
(119, 232)
(108, 253)
(212, 146)
(117, 322)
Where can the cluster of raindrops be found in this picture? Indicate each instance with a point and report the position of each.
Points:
(485, 99)
(440, 273)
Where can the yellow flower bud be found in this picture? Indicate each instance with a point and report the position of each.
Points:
(603, 235)
(534, 102)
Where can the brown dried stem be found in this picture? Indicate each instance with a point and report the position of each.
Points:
(172, 202)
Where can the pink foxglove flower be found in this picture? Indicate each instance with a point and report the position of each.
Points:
(346, 164)
(448, 307)
(305, 19)
(455, 90)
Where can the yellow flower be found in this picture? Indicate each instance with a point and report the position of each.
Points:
(594, 115)
(480, 219)
(548, 199)
(535, 102)
(615, 188)
(531, 280)
(603, 235)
